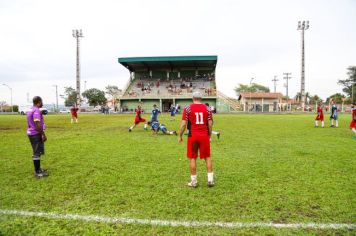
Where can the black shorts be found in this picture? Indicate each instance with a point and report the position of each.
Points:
(37, 144)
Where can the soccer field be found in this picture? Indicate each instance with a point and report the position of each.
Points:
(268, 169)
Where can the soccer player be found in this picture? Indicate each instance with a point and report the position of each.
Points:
(156, 127)
(37, 136)
(74, 113)
(138, 119)
(155, 112)
(320, 116)
(213, 132)
(173, 111)
(334, 115)
(353, 120)
(198, 118)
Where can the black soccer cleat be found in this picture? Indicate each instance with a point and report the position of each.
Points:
(218, 135)
(211, 184)
(41, 173)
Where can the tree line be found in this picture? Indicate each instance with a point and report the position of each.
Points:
(93, 96)
(348, 87)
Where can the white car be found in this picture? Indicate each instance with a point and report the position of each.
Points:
(64, 111)
(24, 109)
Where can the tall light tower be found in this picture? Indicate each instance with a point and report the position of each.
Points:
(287, 77)
(78, 34)
(56, 86)
(302, 26)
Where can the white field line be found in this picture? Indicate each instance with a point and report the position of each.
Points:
(175, 223)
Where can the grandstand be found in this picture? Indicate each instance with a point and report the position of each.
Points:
(168, 80)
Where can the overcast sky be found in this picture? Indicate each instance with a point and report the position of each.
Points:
(251, 38)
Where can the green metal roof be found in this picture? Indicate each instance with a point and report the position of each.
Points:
(171, 62)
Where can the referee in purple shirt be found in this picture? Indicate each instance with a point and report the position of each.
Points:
(35, 132)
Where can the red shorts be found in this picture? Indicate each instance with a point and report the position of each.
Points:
(138, 120)
(74, 115)
(353, 124)
(321, 118)
(201, 143)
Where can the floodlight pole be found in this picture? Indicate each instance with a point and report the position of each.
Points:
(275, 82)
(287, 78)
(78, 34)
(12, 107)
(56, 96)
(302, 26)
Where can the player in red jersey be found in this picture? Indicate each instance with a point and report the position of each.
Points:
(74, 113)
(353, 120)
(198, 118)
(138, 119)
(320, 116)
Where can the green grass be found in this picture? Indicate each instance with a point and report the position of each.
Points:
(268, 168)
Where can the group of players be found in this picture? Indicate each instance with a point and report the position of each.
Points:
(334, 117)
(197, 118)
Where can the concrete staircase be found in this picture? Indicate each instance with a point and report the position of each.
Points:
(232, 102)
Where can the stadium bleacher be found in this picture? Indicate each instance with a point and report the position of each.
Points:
(168, 80)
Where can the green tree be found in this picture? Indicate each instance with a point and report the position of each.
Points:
(71, 96)
(95, 96)
(337, 97)
(113, 91)
(315, 99)
(298, 97)
(253, 88)
(349, 84)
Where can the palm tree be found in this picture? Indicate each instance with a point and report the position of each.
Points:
(298, 97)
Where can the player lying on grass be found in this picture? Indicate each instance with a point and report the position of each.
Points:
(334, 115)
(198, 118)
(37, 136)
(156, 127)
(353, 119)
(320, 116)
(138, 118)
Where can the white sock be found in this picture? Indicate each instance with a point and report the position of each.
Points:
(76, 120)
(131, 127)
(337, 123)
(332, 122)
(145, 126)
(214, 132)
(354, 129)
(316, 123)
(211, 177)
(170, 132)
(194, 178)
(322, 124)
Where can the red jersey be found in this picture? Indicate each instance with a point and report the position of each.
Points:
(197, 116)
(74, 110)
(354, 114)
(320, 111)
(138, 112)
